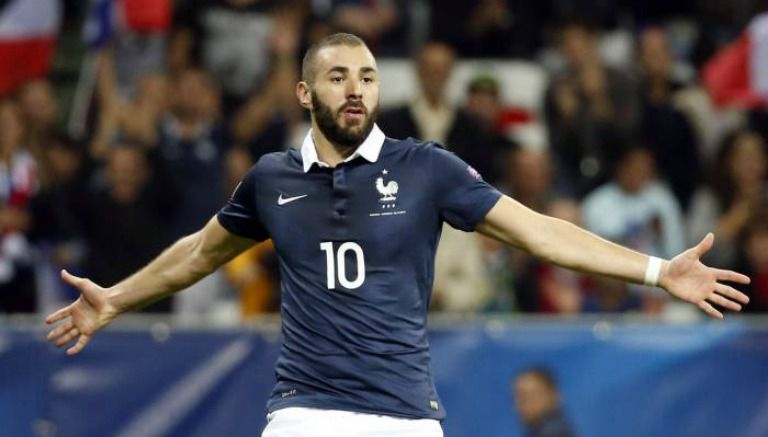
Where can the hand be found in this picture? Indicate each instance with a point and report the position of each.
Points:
(687, 278)
(89, 313)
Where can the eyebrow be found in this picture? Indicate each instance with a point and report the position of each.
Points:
(344, 70)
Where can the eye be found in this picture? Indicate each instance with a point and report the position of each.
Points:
(368, 80)
(337, 79)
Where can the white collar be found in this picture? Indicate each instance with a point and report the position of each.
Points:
(369, 149)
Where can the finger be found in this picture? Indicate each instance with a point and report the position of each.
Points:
(80, 345)
(723, 302)
(58, 315)
(731, 276)
(66, 338)
(71, 279)
(704, 245)
(60, 330)
(710, 310)
(732, 293)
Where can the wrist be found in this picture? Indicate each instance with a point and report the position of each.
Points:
(654, 271)
(112, 295)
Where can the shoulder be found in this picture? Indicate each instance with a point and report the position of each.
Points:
(273, 163)
(278, 160)
(661, 192)
(414, 148)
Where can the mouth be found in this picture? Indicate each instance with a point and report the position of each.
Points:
(354, 113)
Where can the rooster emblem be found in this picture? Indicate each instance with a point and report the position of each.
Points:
(388, 190)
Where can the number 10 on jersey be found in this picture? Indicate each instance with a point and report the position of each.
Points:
(336, 268)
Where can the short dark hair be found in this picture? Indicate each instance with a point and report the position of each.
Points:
(543, 374)
(337, 39)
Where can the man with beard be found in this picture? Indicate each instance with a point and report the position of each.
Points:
(355, 218)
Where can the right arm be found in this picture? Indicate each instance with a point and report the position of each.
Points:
(181, 265)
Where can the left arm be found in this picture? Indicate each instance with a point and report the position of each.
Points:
(567, 245)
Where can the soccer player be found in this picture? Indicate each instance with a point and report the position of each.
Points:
(355, 218)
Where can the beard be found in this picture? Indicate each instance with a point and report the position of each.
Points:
(347, 137)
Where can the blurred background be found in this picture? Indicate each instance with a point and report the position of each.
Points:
(126, 124)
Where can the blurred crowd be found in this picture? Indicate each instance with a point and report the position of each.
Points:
(176, 103)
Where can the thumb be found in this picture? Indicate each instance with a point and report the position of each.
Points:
(82, 284)
(704, 245)
(71, 279)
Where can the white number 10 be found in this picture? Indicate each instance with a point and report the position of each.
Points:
(331, 265)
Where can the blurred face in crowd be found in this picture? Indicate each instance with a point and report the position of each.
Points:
(435, 64)
(343, 94)
(578, 46)
(530, 173)
(64, 161)
(152, 91)
(655, 55)
(11, 126)
(38, 104)
(126, 172)
(535, 397)
(195, 95)
(636, 170)
(747, 161)
(484, 105)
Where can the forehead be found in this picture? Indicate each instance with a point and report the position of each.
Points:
(351, 57)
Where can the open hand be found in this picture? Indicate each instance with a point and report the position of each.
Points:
(89, 313)
(687, 278)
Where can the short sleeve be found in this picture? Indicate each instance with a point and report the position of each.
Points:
(463, 197)
(240, 215)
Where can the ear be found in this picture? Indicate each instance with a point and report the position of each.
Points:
(304, 94)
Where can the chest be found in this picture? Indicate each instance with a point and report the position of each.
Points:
(384, 207)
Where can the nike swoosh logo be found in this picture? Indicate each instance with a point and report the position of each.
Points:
(283, 200)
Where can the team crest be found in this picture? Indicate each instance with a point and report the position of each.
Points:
(387, 190)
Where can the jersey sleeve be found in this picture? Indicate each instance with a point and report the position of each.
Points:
(463, 197)
(240, 215)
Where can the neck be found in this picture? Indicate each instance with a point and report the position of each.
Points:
(327, 151)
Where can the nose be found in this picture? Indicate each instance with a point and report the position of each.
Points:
(354, 89)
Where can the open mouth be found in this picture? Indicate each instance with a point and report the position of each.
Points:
(354, 113)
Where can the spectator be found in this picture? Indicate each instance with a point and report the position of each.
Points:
(496, 122)
(460, 266)
(136, 32)
(430, 117)
(265, 121)
(193, 142)
(58, 208)
(664, 128)
(591, 111)
(129, 211)
(233, 39)
(120, 119)
(19, 175)
(644, 213)
(733, 197)
(528, 178)
(537, 401)
(40, 112)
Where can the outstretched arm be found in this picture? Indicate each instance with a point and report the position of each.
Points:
(567, 245)
(181, 265)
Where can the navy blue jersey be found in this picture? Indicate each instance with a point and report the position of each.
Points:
(356, 247)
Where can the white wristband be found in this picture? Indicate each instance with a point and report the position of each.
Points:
(653, 271)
